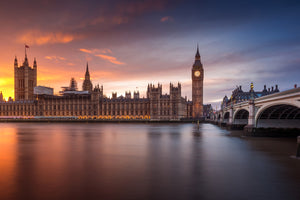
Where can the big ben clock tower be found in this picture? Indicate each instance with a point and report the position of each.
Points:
(197, 87)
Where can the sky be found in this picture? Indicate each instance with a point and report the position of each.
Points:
(129, 44)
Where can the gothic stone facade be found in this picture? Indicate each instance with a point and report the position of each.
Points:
(96, 106)
(197, 87)
(92, 104)
(25, 80)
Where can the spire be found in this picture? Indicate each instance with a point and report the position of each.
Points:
(16, 62)
(197, 57)
(87, 73)
(87, 84)
(197, 63)
(34, 63)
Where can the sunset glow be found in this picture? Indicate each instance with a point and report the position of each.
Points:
(129, 45)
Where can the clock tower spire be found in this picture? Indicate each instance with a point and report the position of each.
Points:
(197, 86)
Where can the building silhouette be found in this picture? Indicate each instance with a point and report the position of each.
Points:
(238, 95)
(25, 78)
(197, 86)
(90, 103)
(87, 84)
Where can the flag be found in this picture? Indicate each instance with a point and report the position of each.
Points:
(26, 46)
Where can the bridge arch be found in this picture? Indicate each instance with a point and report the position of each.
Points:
(215, 117)
(241, 116)
(226, 117)
(278, 115)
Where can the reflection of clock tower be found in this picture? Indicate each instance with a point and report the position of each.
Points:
(197, 87)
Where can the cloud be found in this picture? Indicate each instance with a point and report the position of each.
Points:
(110, 59)
(56, 58)
(166, 18)
(94, 51)
(41, 38)
(85, 50)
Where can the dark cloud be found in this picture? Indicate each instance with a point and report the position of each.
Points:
(254, 52)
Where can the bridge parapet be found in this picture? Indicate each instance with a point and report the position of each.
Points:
(276, 110)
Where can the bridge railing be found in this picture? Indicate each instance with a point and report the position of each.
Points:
(283, 94)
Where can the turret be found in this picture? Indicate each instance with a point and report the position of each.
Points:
(25, 63)
(114, 95)
(276, 88)
(16, 62)
(265, 89)
(136, 94)
(128, 95)
(34, 64)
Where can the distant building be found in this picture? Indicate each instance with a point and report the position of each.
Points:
(238, 95)
(91, 103)
(25, 79)
(207, 110)
(40, 90)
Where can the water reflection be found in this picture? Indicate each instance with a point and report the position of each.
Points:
(142, 161)
(8, 142)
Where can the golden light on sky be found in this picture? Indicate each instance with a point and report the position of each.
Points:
(131, 44)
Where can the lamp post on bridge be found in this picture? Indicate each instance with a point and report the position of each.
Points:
(298, 147)
(230, 120)
(251, 119)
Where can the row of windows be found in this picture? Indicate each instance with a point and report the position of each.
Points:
(16, 107)
(68, 113)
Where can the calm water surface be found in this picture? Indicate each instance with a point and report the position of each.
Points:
(143, 161)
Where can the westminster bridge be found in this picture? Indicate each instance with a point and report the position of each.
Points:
(278, 110)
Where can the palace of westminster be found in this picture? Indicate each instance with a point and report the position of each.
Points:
(32, 101)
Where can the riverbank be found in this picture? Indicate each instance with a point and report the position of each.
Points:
(99, 121)
(260, 132)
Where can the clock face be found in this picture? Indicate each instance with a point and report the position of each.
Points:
(197, 73)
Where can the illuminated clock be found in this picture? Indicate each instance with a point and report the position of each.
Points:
(197, 73)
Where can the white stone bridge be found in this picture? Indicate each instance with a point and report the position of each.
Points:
(278, 110)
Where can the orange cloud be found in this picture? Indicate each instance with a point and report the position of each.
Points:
(56, 58)
(166, 18)
(85, 50)
(94, 51)
(41, 38)
(110, 59)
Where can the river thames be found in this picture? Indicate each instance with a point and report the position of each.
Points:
(143, 161)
